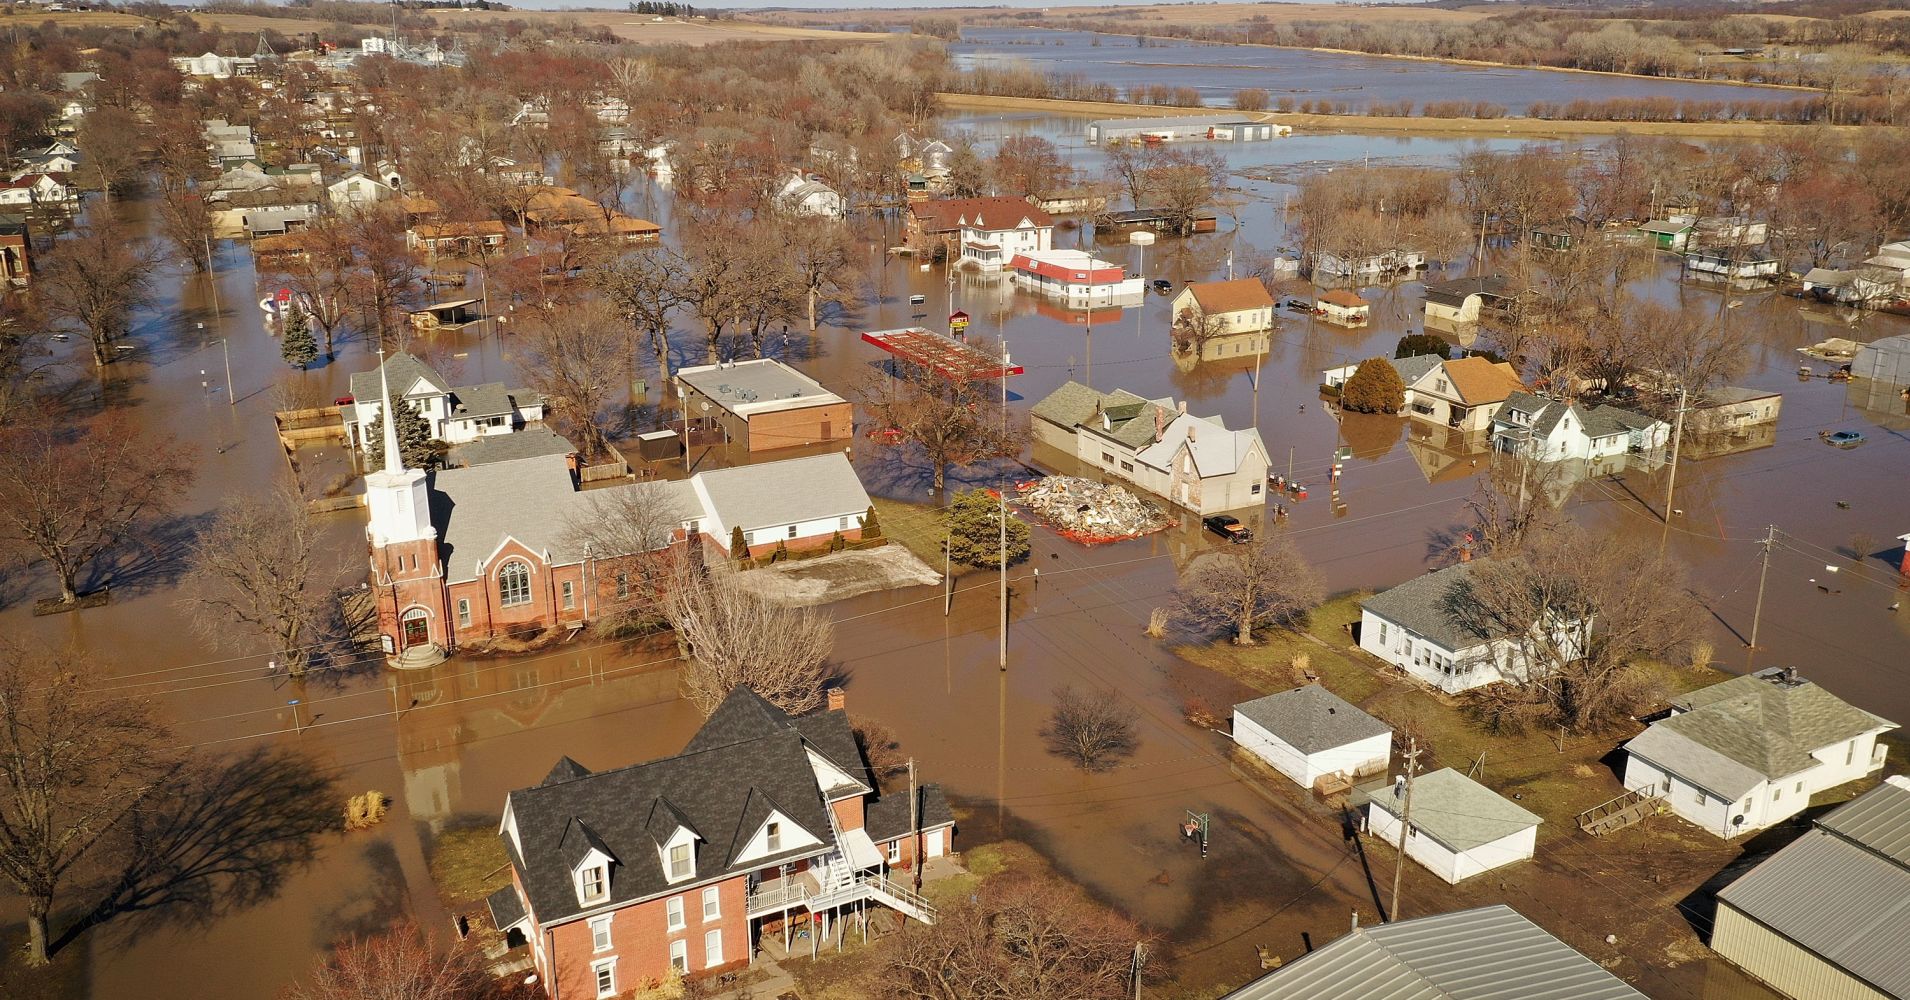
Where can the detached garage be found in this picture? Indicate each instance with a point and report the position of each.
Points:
(1308, 733)
(1460, 828)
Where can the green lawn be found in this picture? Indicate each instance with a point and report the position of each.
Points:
(918, 526)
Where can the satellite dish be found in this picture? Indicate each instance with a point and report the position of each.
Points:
(1737, 820)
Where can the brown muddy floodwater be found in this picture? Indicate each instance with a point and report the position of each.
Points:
(448, 743)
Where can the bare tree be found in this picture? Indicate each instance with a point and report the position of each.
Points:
(181, 211)
(736, 636)
(110, 139)
(956, 420)
(258, 566)
(880, 747)
(573, 355)
(1265, 584)
(631, 531)
(1194, 330)
(384, 273)
(1579, 614)
(1029, 165)
(1095, 730)
(404, 963)
(646, 285)
(320, 273)
(821, 255)
(1019, 936)
(96, 279)
(76, 764)
(1184, 180)
(68, 495)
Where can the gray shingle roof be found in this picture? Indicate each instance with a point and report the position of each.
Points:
(786, 492)
(535, 441)
(1845, 904)
(1415, 368)
(1490, 953)
(1878, 819)
(1455, 292)
(887, 817)
(1455, 810)
(1417, 605)
(404, 371)
(488, 400)
(1311, 719)
(713, 787)
(506, 908)
(1743, 731)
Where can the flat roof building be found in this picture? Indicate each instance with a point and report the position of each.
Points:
(764, 404)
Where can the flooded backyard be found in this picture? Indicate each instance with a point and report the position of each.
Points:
(446, 744)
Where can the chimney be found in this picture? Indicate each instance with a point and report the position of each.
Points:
(836, 699)
(1160, 424)
(1356, 918)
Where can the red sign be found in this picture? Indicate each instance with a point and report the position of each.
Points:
(284, 296)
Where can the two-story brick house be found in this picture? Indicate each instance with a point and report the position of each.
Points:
(625, 877)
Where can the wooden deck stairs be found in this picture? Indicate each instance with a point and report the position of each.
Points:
(1619, 813)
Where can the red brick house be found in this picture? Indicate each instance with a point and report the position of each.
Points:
(621, 878)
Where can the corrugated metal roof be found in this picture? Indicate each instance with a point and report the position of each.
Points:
(1878, 819)
(1491, 953)
(1838, 901)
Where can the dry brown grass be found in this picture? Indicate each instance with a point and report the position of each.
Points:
(639, 28)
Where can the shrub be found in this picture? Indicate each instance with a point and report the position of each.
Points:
(871, 528)
(1374, 388)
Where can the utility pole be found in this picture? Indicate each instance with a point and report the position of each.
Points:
(1134, 970)
(1757, 615)
(915, 841)
(1001, 522)
(1289, 463)
(231, 398)
(1405, 824)
(948, 581)
(1671, 483)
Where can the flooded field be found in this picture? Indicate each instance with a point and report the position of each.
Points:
(1217, 71)
(448, 743)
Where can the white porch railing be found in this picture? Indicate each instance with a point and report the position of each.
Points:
(838, 890)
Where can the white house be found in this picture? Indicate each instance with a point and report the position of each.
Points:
(39, 189)
(1459, 302)
(1746, 753)
(798, 502)
(1242, 305)
(1895, 258)
(981, 232)
(1193, 462)
(1332, 265)
(1344, 307)
(355, 189)
(1409, 628)
(802, 194)
(1463, 394)
(1731, 231)
(1076, 277)
(1309, 733)
(455, 414)
(1549, 430)
(1458, 827)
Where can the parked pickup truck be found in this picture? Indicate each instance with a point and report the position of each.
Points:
(1228, 527)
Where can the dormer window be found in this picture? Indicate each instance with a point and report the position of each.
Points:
(595, 883)
(775, 836)
(681, 862)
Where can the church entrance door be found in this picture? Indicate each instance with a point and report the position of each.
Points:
(417, 628)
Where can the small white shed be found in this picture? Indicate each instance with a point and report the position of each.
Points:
(1309, 732)
(1460, 828)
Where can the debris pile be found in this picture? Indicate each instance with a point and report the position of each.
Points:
(1090, 512)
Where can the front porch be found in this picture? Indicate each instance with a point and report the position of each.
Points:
(809, 911)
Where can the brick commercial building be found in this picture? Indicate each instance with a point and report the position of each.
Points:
(621, 878)
(765, 404)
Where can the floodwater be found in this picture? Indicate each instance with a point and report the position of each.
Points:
(448, 743)
(1218, 70)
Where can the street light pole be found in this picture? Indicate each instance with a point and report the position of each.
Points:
(231, 398)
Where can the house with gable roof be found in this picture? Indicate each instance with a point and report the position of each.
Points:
(1410, 627)
(1749, 752)
(1193, 462)
(1551, 430)
(622, 877)
(1462, 393)
(456, 414)
(982, 232)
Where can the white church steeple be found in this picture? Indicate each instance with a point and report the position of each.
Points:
(397, 497)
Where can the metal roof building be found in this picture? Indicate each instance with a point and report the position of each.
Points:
(1491, 953)
(1828, 917)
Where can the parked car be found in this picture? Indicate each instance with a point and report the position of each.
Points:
(1842, 439)
(1163, 286)
(1228, 527)
(344, 401)
(1298, 305)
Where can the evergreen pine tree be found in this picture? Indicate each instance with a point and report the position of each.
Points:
(871, 528)
(974, 530)
(415, 443)
(739, 548)
(298, 346)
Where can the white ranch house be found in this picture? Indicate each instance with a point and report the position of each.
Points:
(1309, 733)
(1458, 827)
(1749, 752)
(1407, 627)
